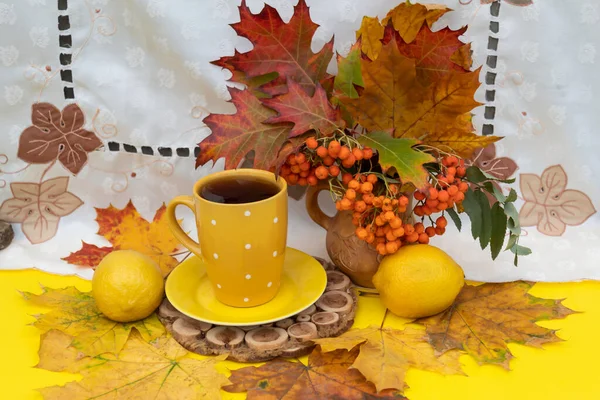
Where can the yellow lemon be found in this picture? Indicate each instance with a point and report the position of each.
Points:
(127, 286)
(418, 281)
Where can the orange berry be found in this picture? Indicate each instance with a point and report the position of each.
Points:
(409, 229)
(451, 171)
(443, 195)
(442, 222)
(463, 187)
(440, 230)
(433, 193)
(431, 203)
(361, 233)
(377, 202)
(450, 178)
(322, 172)
(430, 231)
(334, 145)
(389, 215)
(445, 161)
(367, 153)
(394, 189)
(401, 209)
(452, 161)
(328, 161)
(334, 170)
(372, 178)
(380, 232)
(380, 239)
(359, 177)
(350, 194)
(403, 201)
(302, 181)
(285, 170)
(346, 204)
(461, 172)
(442, 206)
(312, 143)
(344, 153)
(419, 195)
(304, 174)
(368, 198)
(394, 202)
(452, 190)
(443, 182)
(356, 214)
(354, 184)
(346, 178)
(460, 196)
(391, 247)
(355, 221)
(292, 179)
(381, 249)
(295, 169)
(322, 152)
(427, 210)
(370, 238)
(418, 210)
(291, 159)
(358, 153)
(349, 162)
(398, 232)
(300, 158)
(423, 238)
(419, 228)
(390, 236)
(360, 206)
(379, 221)
(305, 165)
(412, 238)
(366, 187)
(338, 205)
(312, 180)
(395, 222)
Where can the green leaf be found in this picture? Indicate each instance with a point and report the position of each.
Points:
(514, 227)
(455, 218)
(486, 219)
(512, 196)
(521, 250)
(508, 181)
(475, 175)
(512, 240)
(513, 222)
(400, 154)
(349, 73)
(498, 230)
(473, 210)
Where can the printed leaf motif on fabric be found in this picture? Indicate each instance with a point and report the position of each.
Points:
(58, 135)
(38, 207)
(549, 205)
(327, 376)
(485, 318)
(75, 313)
(160, 370)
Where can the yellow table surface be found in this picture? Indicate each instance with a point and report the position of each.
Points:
(565, 370)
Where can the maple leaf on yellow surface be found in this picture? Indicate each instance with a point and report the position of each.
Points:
(370, 35)
(386, 354)
(75, 313)
(158, 371)
(327, 376)
(126, 229)
(485, 318)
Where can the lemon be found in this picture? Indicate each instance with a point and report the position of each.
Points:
(418, 281)
(127, 286)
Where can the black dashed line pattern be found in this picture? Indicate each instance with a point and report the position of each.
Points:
(65, 41)
(490, 77)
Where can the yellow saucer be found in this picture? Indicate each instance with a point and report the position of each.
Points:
(303, 281)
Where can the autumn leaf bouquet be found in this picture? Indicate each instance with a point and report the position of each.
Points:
(390, 135)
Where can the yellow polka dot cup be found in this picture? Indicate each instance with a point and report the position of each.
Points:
(242, 245)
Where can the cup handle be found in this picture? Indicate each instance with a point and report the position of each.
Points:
(312, 206)
(179, 234)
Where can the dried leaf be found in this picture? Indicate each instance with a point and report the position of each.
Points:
(349, 73)
(400, 154)
(327, 376)
(280, 47)
(370, 35)
(461, 142)
(305, 112)
(388, 353)
(126, 229)
(462, 57)
(407, 20)
(39, 207)
(159, 371)
(57, 135)
(499, 167)
(485, 318)
(550, 205)
(234, 136)
(435, 12)
(75, 313)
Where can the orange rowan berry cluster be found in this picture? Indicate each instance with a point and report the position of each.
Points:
(320, 160)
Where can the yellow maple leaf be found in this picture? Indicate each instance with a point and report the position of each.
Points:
(407, 20)
(370, 35)
(142, 370)
(485, 318)
(75, 313)
(386, 354)
(457, 141)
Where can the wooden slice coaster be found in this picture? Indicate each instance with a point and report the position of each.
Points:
(332, 315)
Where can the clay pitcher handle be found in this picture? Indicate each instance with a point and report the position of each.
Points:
(312, 206)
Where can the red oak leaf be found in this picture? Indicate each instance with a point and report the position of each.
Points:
(306, 112)
(280, 47)
(550, 205)
(499, 167)
(89, 255)
(57, 134)
(234, 136)
(38, 207)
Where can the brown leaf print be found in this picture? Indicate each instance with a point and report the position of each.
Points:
(499, 167)
(57, 135)
(39, 207)
(549, 205)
